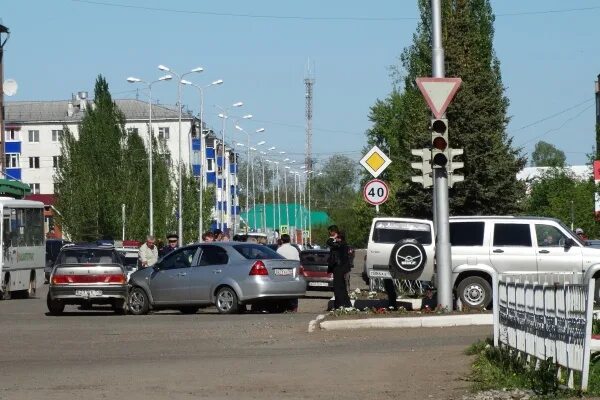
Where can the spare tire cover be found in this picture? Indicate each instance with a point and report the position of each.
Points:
(407, 259)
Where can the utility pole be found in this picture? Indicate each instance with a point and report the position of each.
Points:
(4, 31)
(308, 83)
(440, 185)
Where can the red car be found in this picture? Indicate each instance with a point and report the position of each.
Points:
(314, 264)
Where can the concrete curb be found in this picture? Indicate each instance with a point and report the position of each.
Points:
(312, 325)
(436, 321)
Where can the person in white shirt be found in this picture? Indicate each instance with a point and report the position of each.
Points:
(287, 250)
(148, 253)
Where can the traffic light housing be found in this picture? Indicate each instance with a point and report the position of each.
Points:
(424, 165)
(453, 166)
(439, 143)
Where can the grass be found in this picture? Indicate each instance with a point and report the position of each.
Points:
(499, 369)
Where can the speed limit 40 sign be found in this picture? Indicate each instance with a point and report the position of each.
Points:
(376, 192)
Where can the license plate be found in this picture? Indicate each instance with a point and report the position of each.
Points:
(88, 293)
(379, 274)
(318, 284)
(282, 272)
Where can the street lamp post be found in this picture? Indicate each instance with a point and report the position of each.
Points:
(239, 128)
(224, 115)
(201, 174)
(180, 166)
(132, 79)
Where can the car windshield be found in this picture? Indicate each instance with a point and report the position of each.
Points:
(393, 232)
(87, 256)
(256, 252)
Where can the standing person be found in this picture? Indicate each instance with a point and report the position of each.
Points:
(208, 237)
(172, 244)
(288, 251)
(339, 264)
(148, 253)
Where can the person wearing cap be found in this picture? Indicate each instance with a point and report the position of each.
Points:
(172, 244)
(148, 253)
(580, 234)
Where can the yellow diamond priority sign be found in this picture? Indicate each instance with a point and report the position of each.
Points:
(375, 161)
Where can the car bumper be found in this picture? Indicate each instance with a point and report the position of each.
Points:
(261, 289)
(315, 283)
(87, 294)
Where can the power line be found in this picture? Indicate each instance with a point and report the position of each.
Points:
(556, 114)
(314, 18)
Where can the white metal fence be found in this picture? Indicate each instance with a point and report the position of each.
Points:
(547, 315)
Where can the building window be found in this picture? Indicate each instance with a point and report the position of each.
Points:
(56, 161)
(34, 136)
(56, 134)
(35, 188)
(210, 165)
(132, 131)
(209, 142)
(12, 160)
(11, 135)
(163, 133)
(34, 162)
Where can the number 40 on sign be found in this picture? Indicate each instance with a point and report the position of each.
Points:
(376, 192)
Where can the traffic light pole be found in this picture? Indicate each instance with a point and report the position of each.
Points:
(440, 186)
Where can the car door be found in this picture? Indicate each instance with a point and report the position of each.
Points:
(512, 247)
(210, 269)
(170, 282)
(552, 255)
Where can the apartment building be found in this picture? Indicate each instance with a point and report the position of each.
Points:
(33, 129)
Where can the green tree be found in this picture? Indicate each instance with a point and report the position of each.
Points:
(547, 155)
(91, 167)
(558, 193)
(477, 117)
(334, 185)
(135, 179)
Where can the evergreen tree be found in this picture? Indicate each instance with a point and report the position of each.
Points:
(477, 117)
(135, 179)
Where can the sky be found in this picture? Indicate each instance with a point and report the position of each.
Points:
(261, 49)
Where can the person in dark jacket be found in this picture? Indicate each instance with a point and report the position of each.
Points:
(339, 265)
(172, 244)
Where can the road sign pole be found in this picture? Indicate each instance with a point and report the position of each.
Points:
(440, 186)
(377, 209)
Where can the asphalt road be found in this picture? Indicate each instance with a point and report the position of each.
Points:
(100, 355)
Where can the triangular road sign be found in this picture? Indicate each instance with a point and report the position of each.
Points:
(438, 92)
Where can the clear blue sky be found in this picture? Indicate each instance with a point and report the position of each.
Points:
(549, 61)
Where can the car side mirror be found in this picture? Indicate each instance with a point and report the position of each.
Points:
(569, 243)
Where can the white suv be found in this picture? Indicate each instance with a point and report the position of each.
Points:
(483, 246)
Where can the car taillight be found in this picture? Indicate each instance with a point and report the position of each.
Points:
(111, 278)
(258, 268)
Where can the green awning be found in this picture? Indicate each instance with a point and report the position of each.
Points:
(290, 214)
(13, 188)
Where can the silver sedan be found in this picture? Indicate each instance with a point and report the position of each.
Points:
(226, 274)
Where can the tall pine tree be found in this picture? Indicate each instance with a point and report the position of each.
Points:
(477, 117)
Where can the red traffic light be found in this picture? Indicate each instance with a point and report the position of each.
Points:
(439, 143)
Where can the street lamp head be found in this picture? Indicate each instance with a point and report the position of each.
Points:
(253, 148)
(165, 78)
(163, 68)
(259, 130)
(271, 148)
(286, 167)
(132, 79)
(240, 144)
(238, 104)
(184, 82)
(286, 160)
(263, 153)
(221, 115)
(247, 116)
(261, 143)
(269, 161)
(217, 82)
(197, 69)
(282, 152)
(239, 128)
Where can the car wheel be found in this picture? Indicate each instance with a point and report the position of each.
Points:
(407, 259)
(139, 303)
(32, 290)
(474, 292)
(189, 310)
(226, 300)
(119, 307)
(55, 307)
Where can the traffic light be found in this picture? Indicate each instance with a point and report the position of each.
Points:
(425, 166)
(453, 166)
(439, 143)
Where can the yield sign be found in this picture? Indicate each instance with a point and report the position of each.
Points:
(438, 92)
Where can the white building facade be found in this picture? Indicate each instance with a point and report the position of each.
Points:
(32, 133)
